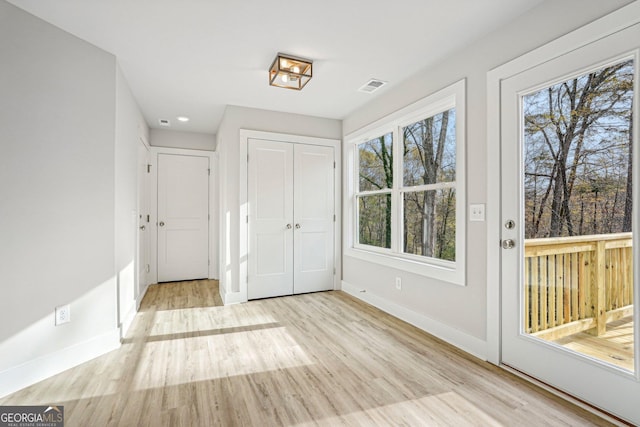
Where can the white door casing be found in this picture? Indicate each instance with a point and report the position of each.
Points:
(183, 217)
(574, 373)
(144, 228)
(291, 218)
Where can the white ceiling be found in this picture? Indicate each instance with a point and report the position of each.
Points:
(194, 57)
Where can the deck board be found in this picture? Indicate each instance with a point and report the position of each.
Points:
(615, 346)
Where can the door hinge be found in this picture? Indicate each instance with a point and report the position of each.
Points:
(334, 217)
(148, 168)
(247, 219)
(209, 217)
(148, 218)
(209, 172)
(334, 271)
(334, 165)
(208, 262)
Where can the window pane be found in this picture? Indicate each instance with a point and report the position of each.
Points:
(430, 223)
(376, 163)
(430, 150)
(374, 219)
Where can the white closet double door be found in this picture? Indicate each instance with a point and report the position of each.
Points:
(291, 218)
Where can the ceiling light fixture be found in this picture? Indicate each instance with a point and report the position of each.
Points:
(183, 119)
(290, 72)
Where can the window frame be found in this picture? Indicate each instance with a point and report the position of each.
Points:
(452, 96)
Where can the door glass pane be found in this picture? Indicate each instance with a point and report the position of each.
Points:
(578, 265)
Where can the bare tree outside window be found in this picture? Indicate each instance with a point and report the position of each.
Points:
(376, 175)
(429, 173)
(578, 155)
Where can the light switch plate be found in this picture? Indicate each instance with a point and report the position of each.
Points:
(476, 212)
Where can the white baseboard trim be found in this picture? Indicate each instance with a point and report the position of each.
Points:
(455, 337)
(29, 373)
(141, 297)
(127, 321)
(233, 298)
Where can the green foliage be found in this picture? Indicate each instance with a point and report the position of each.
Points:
(429, 157)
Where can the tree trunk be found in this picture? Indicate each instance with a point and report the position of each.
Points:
(628, 203)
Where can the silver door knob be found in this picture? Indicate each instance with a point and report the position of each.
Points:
(161, 224)
(297, 225)
(142, 227)
(508, 244)
(288, 226)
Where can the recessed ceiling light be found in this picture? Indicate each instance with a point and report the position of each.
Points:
(182, 119)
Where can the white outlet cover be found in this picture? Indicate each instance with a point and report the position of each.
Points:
(63, 314)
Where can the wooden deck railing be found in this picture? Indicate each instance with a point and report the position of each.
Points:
(575, 284)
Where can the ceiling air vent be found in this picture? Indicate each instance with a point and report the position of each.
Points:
(372, 85)
(164, 122)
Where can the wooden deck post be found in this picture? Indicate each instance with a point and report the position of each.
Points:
(598, 289)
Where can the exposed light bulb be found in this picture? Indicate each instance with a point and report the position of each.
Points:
(285, 78)
(296, 69)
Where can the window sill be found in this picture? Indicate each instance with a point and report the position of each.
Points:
(443, 273)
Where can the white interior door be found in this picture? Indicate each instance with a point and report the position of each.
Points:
(291, 218)
(143, 218)
(569, 271)
(314, 218)
(270, 194)
(183, 217)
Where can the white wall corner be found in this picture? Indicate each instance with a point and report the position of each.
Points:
(127, 320)
(140, 297)
(33, 371)
(455, 337)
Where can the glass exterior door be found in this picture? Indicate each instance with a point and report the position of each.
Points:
(569, 209)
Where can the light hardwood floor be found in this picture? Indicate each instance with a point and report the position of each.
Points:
(318, 359)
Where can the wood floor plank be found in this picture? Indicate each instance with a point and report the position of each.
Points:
(323, 359)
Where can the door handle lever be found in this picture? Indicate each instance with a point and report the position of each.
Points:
(508, 244)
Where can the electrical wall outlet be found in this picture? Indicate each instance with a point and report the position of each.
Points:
(398, 283)
(63, 314)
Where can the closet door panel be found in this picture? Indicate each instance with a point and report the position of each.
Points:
(314, 218)
(270, 191)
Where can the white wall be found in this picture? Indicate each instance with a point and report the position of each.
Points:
(130, 128)
(188, 140)
(458, 314)
(60, 199)
(228, 147)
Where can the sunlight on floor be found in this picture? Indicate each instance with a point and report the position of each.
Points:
(197, 358)
(448, 408)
